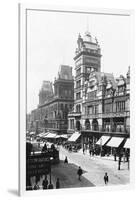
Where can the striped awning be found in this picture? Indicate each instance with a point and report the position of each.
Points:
(50, 135)
(127, 144)
(32, 133)
(62, 136)
(103, 140)
(74, 137)
(41, 134)
(115, 142)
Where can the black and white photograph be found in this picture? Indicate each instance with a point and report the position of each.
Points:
(77, 86)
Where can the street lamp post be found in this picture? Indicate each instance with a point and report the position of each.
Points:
(128, 163)
(50, 184)
(101, 146)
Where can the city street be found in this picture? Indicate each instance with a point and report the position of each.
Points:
(93, 168)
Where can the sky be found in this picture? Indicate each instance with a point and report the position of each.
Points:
(52, 40)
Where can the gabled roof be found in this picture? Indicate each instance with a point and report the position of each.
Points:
(108, 77)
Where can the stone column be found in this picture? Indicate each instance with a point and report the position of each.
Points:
(69, 122)
(111, 124)
(99, 123)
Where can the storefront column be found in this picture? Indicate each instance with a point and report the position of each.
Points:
(99, 124)
(124, 124)
(111, 124)
(82, 141)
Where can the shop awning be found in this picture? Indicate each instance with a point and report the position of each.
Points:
(50, 135)
(44, 135)
(31, 133)
(41, 134)
(74, 137)
(103, 140)
(115, 142)
(127, 144)
(57, 136)
(62, 136)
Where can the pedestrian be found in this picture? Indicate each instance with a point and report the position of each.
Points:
(45, 183)
(128, 163)
(44, 149)
(50, 186)
(36, 186)
(124, 157)
(93, 152)
(119, 162)
(90, 152)
(83, 151)
(106, 179)
(127, 156)
(70, 148)
(115, 154)
(79, 172)
(57, 184)
(66, 160)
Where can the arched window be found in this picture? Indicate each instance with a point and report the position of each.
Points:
(87, 124)
(78, 125)
(95, 126)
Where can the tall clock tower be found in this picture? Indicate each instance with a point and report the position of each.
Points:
(87, 59)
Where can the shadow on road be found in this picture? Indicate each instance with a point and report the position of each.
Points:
(67, 173)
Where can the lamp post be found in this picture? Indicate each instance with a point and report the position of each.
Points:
(45, 123)
(50, 186)
(101, 146)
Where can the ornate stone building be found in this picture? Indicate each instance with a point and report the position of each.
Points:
(101, 104)
(87, 59)
(55, 103)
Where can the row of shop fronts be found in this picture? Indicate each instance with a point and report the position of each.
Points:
(99, 143)
(92, 130)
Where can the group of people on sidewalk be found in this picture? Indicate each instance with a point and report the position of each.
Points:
(120, 157)
(50, 186)
(46, 184)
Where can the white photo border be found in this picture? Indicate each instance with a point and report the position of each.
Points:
(22, 31)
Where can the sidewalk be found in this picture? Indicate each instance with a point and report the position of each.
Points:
(111, 157)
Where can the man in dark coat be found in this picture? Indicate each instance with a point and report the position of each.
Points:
(44, 149)
(79, 172)
(57, 184)
(106, 179)
(66, 160)
(36, 186)
(45, 183)
(83, 151)
(119, 161)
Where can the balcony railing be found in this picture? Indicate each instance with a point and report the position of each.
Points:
(107, 115)
(74, 114)
(110, 130)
